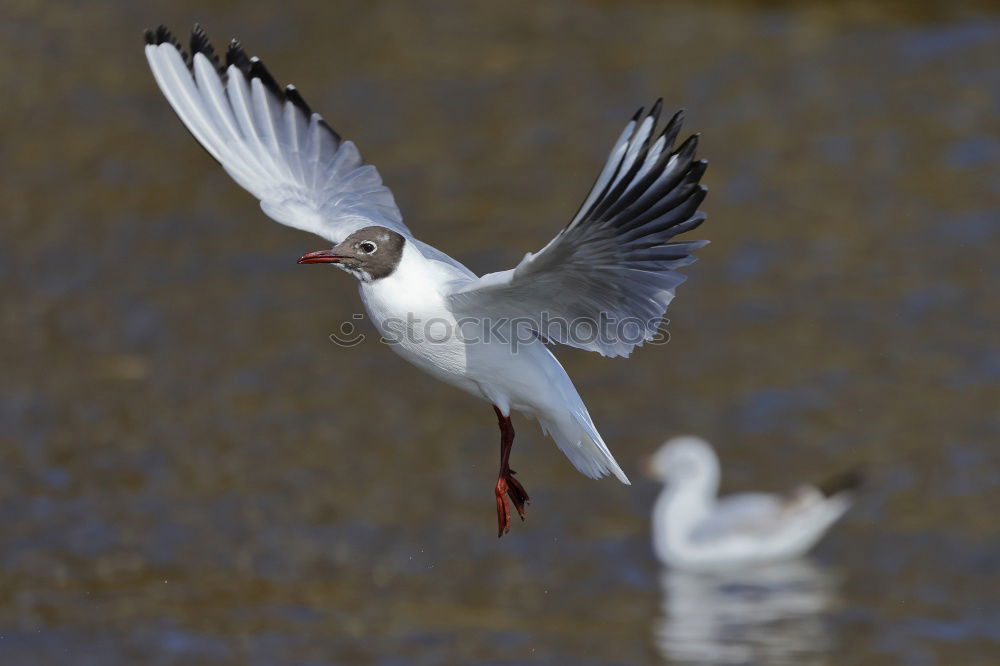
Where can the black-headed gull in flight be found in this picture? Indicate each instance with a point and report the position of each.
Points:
(613, 264)
(696, 530)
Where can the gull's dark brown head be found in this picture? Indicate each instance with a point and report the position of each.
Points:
(370, 253)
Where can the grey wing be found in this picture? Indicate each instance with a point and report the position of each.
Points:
(269, 140)
(614, 264)
(745, 514)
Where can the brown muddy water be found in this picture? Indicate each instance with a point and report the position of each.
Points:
(192, 473)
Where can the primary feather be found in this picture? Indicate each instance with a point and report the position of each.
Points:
(613, 264)
(269, 140)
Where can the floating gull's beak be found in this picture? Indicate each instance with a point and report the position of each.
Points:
(648, 469)
(321, 257)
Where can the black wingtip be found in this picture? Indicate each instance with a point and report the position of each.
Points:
(252, 68)
(258, 71)
(293, 96)
(676, 120)
(697, 170)
(672, 129)
(655, 111)
(236, 56)
(638, 114)
(162, 35)
(200, 43)
(688, 148)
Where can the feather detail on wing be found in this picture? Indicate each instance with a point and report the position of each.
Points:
(269, 140)
(605, 281)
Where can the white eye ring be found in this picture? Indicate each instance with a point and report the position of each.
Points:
(368, 247)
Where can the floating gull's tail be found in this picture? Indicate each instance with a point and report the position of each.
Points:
(847, 481)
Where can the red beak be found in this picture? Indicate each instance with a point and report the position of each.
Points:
(321, 257)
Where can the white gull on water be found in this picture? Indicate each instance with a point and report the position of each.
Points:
(696, 530)
(614, 262)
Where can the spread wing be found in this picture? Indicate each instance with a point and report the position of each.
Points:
(269, 140)
(605, 281)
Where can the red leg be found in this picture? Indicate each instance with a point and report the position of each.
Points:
(507, 485)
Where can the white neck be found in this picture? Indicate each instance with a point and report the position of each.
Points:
(682, 504)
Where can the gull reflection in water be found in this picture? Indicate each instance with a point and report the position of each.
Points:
(765, 615)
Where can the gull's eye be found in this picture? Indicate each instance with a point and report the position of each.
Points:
(368, 247)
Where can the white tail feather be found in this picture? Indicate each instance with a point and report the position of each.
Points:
(579, 440)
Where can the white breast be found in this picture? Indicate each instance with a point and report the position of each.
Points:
(409, 310)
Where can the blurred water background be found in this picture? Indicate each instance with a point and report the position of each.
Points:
(192, 473)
